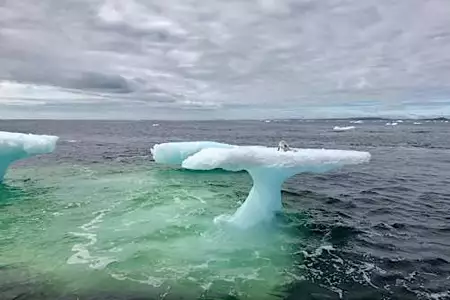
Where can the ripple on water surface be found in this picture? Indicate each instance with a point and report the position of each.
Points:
(149, 226)
(122, 228)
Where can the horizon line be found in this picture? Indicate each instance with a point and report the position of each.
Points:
(212, 120)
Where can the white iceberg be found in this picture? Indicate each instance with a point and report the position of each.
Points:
(345, 128)
(176, 153)
(268, 168)
(15, 146)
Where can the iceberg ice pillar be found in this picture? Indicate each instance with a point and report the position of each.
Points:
(15, 146)
(268, 168)
(263, 200)
(3, 167)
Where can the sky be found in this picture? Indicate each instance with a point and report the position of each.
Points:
(215, 59)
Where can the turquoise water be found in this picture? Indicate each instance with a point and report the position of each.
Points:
(97, 219)
(144, 227)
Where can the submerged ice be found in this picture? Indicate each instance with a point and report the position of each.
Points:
(268, 168)
(15, 146)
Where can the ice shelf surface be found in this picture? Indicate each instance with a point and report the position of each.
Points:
(176, 153)
(268, 168)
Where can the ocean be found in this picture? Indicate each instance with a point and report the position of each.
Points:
(99, 219)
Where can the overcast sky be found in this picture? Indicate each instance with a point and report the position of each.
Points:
(192, 59)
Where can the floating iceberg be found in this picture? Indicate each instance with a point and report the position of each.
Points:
(15, 146)
(391, 124)
(268, 168)
(357, 122)
(176, 153)
(346, 128)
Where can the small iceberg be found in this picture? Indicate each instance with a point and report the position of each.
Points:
(268, 167)
(15, 146)
(155, 125)
(417, 123)
(345, 128)
(391, 124)
(357, 122)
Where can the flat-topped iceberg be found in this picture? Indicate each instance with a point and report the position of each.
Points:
(345, 128)
(268, 168)
(176, 153)
(15, 146)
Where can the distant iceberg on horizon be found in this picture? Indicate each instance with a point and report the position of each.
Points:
(345, 128)
(15, 146)
(268, 168)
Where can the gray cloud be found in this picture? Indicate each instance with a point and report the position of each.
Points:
(215, 55)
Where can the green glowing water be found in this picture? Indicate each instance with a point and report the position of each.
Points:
(139, 227)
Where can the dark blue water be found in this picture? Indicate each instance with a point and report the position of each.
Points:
(388, 221)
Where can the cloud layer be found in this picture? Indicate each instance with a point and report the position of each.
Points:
(210, 59)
